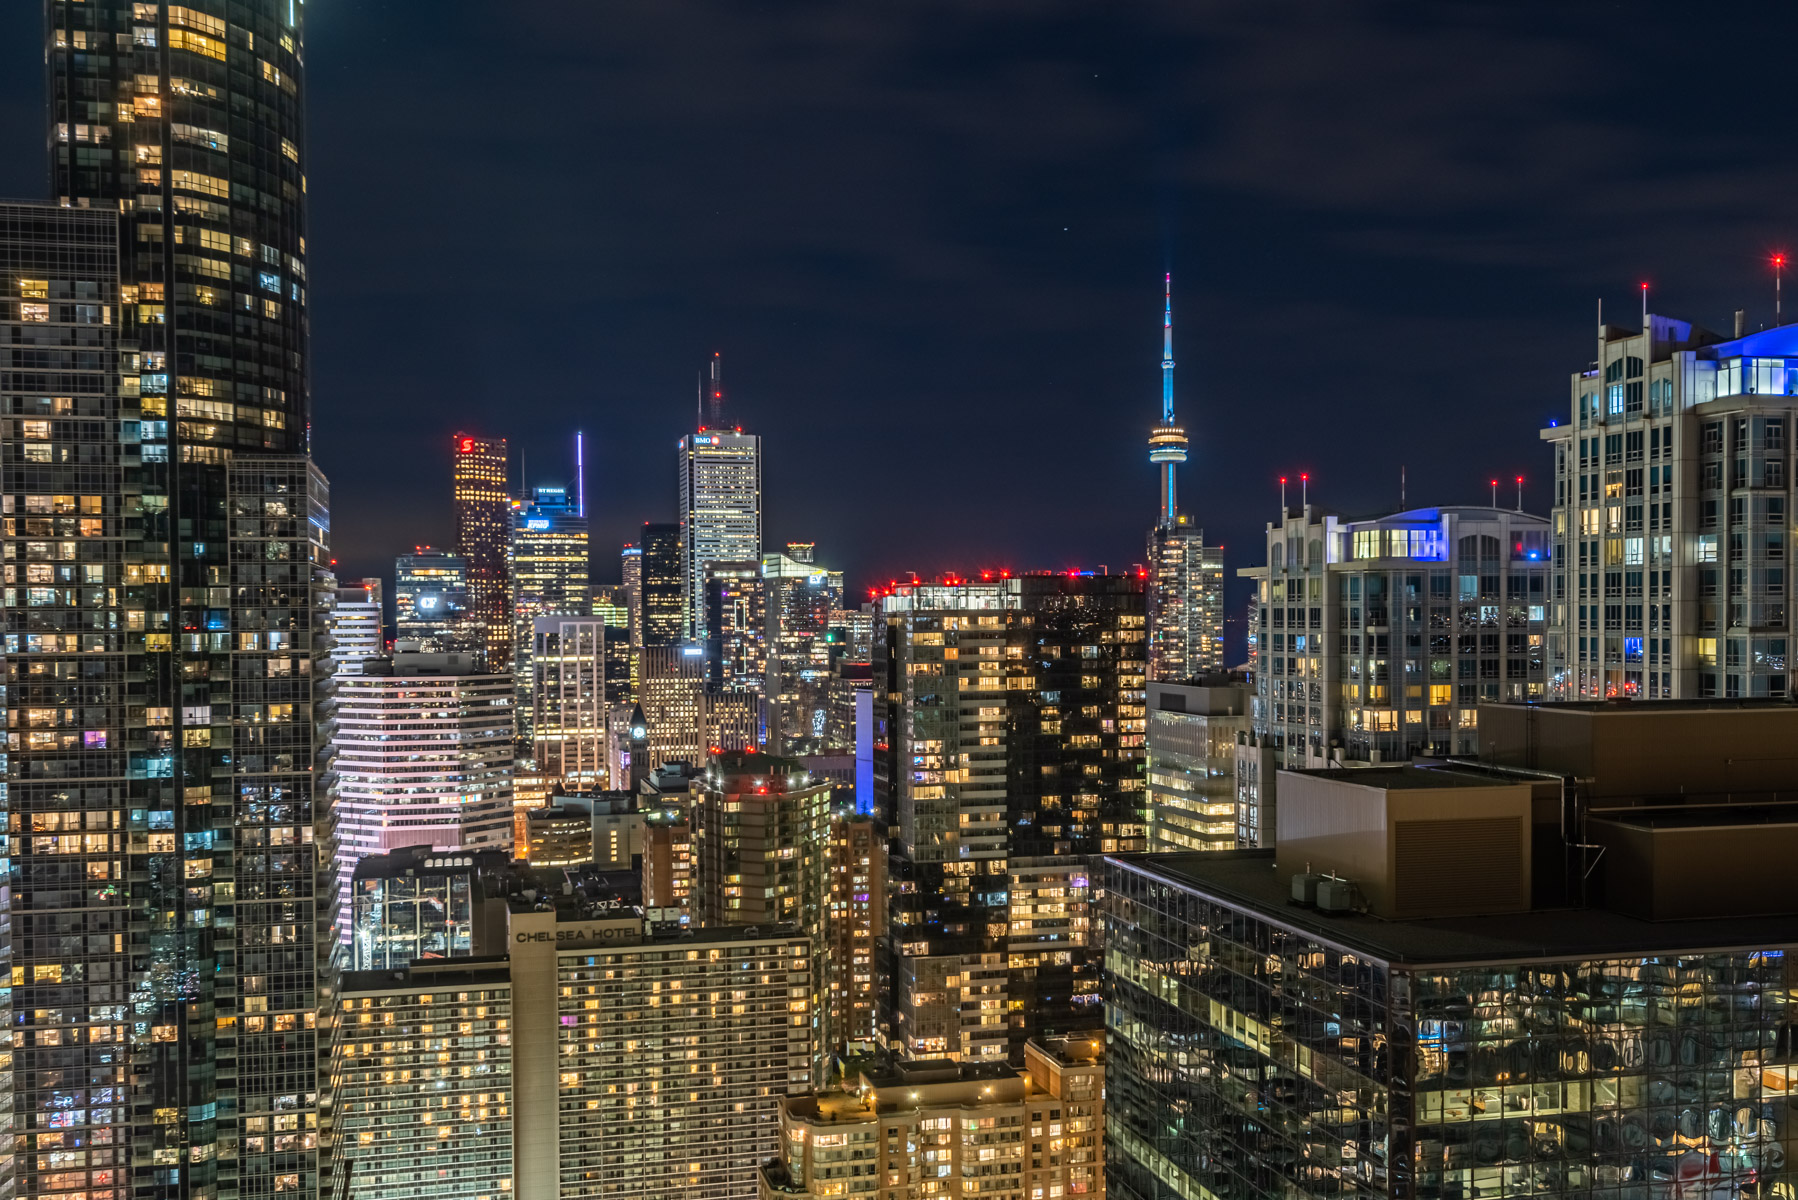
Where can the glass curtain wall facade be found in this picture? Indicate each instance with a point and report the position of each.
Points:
(1249, 1057)
(431, 603)
(720, 513)
(483, 518)
(658, 596)
(548, 569)
(186, 122)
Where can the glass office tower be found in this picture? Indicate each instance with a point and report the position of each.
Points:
(1260, 1048)
(483, 515)
(547, 563)
(170, 963)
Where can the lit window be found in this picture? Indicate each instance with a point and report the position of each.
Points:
(34, 313)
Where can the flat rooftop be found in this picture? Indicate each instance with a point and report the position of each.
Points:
(1658, 707)
(1246, 879)
(433, 973)
(1403, 775)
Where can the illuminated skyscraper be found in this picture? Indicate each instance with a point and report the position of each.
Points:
(659, 587)
(736, 647)
(483, 513)
(1674, 501)
(431, 605)
(630, 562)
(188, 579)
(802, 599)
(1186, 576)
(424, 756)
(568, 662)
(720, 502)
(548, 569)
(1009, 720)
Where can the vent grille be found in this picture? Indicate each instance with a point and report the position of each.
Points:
(1450, 867)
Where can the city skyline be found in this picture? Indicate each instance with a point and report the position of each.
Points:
(959, 297)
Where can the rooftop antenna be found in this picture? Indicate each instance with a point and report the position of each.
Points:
(1305, 490)
(1401, 486)
(1779, 269)
(717, 391)
(1520, 493)
(1282, 497)
(1645, 315)
(699, 399)
(580, 474)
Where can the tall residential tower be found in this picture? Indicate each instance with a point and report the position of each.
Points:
(167, 1017)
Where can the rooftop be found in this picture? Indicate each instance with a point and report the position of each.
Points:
(1246, 879)
(1409, 775)
(437, 973)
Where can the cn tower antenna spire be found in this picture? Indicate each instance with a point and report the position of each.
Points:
(1167, 442)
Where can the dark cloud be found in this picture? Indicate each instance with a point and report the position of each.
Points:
(928, 239)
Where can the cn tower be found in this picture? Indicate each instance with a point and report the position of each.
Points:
(1167, 441)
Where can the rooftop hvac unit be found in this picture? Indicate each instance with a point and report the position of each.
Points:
(1304, 887)
(1335, 895)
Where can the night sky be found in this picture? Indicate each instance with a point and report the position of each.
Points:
(928, 240)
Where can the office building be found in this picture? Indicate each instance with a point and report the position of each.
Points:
(1378, 639)
(1193, 732)
(855, 927)
(600, 830)
(483, 521)
(720, 502)
(355, 624)
(1008, 728)
(736, 649)
(659, 603)
(1186, 576)
(733, 719)
(547, 562)
(424, 756)
(427, 1079)
(802, 599)
(569, 702)
(418, 903)
(630, 561)
(673, 704)
(1518, 977)
(926, 1129)
(141, 433)
(431, 604)
(1673, 507)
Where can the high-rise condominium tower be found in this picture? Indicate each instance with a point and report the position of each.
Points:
(1673, 515)
(1009, 725)
(169, 957)
(1186, 576)
(483, 513)
(720, 501)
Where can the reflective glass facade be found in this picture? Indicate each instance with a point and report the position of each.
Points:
(1251, 1057)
